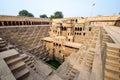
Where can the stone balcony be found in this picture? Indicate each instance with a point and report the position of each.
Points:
(68, 24)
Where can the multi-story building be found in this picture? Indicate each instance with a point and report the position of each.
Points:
(68, 34)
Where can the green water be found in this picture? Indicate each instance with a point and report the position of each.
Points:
(54, 63)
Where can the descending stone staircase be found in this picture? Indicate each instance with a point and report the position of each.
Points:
(67, 72)
(29, 61)
(40, 53)
(3, 45)
(17, 66)
(112, 65)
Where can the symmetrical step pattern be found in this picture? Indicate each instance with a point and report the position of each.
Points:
(40, 53)
(29, 61)
(3, 45)
(17, 66)
(112, 65)
(68, 72)
(24, 37)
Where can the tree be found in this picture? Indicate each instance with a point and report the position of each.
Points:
(25, 13)
(51, 17)
(57, 14)
(43, 16)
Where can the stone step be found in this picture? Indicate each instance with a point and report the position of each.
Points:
(13, 61)
(11, 57)
(3, 45)
(112, 76)
(24, 56)
(113, 51)
(114, 69)
(21, 74)
(3, 48)
(17, 66)
(112, 62)
(113, 56)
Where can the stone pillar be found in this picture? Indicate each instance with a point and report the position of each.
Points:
(2, 23)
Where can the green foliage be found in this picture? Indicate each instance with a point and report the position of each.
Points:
(25, 13)
(51, 17)
(43, 16)
(57, 14)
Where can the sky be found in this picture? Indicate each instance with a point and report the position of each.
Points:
(69, 8)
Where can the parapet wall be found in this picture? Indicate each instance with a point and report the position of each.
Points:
(95, 21)
(18, 20)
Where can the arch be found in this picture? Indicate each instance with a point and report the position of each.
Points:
(24, 22)
(80, 29)
(20, 23)
(68, 34)
(75, 33)
(65, 28)
(9, 23)
(84, 34)
(89, 28)
(62, 28)
(0, 23)
(17, 23)
(76, 20)
(68, 39)
(75, 29)
(5, 23)
(59, 45)
(56, 44)
(59, 51)
(13, 23)
(53, 44)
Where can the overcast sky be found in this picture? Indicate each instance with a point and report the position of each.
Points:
(70, 8)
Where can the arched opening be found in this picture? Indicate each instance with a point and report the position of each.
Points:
(75, 33)
(59, 45)
(65, 28)
(68, 39)
(68, 34)
(20, 23)
(13, 23)
(84, 34)
(24, 23)
(61, 28)
(53, 44)
(17, 23)
(90, 29)
(76, 20)
(56, 44)
(75, 29)
(5, 23)
(9, 23)
(0, 23)
(80, 29)
(80, 33)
